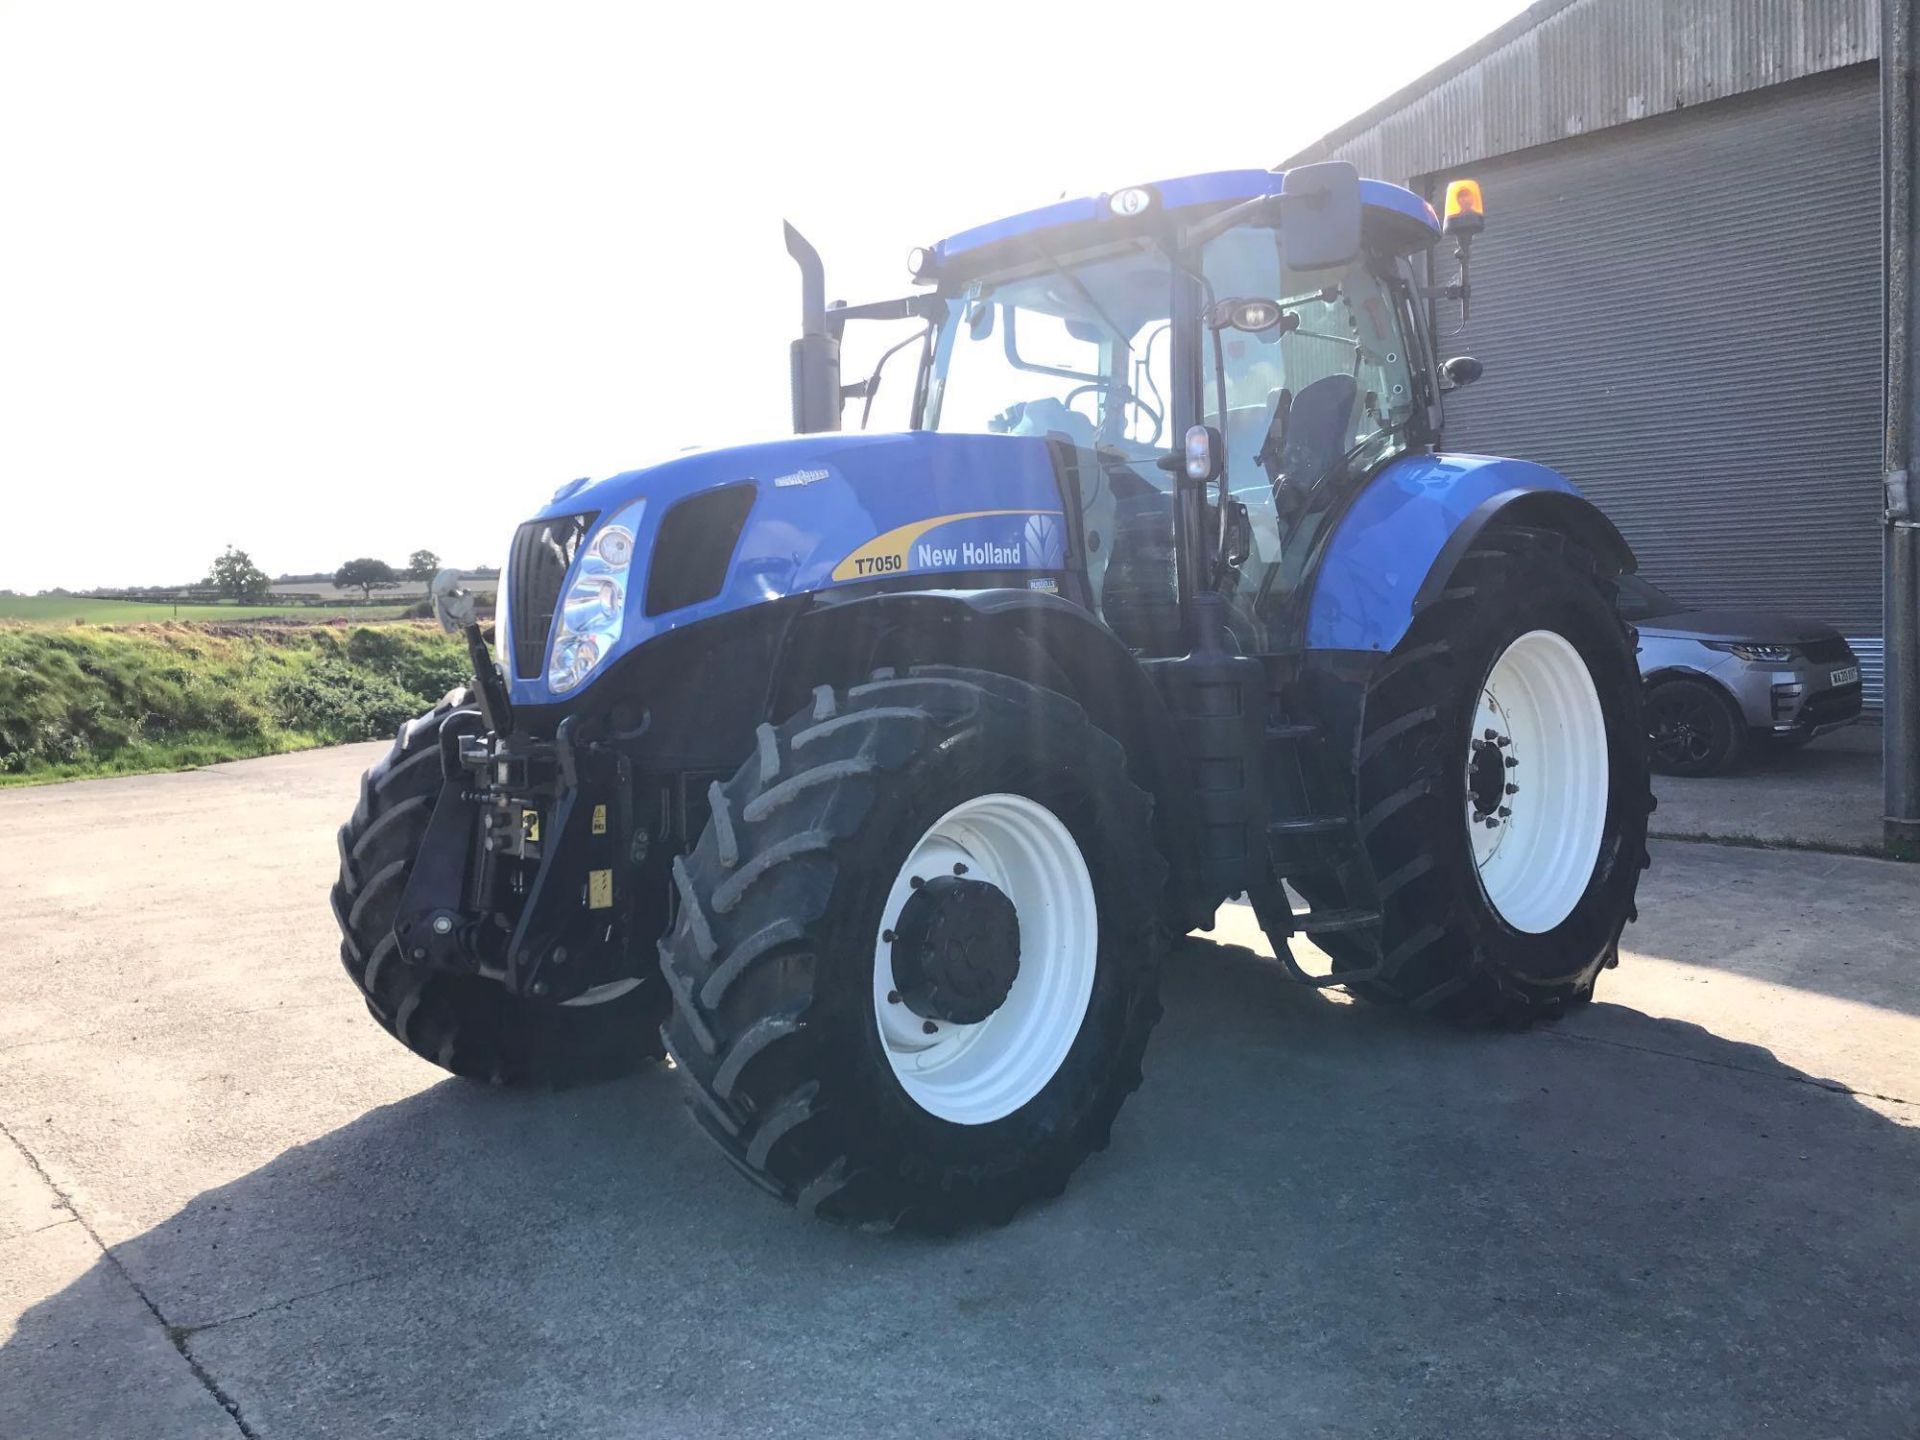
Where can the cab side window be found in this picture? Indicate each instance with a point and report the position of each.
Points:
(1318, 390)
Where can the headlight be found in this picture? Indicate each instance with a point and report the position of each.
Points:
(1765, 654)
(595, 603)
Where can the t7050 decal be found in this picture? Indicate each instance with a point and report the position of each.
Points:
(976, 540)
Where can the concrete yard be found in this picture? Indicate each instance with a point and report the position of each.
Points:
(1826, 796)
(231, 1206)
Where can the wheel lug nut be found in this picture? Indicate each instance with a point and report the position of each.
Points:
(1513, 789)
(958, 868)
(1512, 763)
(893, 997)
(1503, 812)
(915, 883)
(1502, 741)
(1491, 735)
(929, 1027)
(886, 937)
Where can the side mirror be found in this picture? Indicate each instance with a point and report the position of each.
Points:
(1460, 371)
(1320, 215)
(453, 603)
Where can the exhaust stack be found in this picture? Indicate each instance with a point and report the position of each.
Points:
(815, 356)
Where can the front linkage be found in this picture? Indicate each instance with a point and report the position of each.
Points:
(528, 874)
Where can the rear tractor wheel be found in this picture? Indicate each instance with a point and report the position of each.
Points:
(916, 960)
(1503, 790)
(465, 1023)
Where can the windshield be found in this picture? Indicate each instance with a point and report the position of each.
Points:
(1643, 600)
(1078, 350)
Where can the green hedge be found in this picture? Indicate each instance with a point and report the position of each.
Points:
(83, 701)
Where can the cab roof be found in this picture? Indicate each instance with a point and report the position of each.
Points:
(1405, 220)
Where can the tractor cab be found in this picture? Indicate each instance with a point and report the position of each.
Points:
(1279, 313)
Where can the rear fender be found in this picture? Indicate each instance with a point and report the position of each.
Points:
(1393, 551)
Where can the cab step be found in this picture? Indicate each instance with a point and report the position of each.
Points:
(1326, 922)
(1309, 825)
(1292, 730)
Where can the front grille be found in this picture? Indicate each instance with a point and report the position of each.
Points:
(1842, 702)
(543, 551)
(1831, 649)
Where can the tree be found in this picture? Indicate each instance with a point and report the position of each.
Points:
(422, 565)
(238, 578)
(365, 575)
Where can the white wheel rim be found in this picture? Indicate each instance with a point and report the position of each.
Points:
(1539, 724)
(979, 1073)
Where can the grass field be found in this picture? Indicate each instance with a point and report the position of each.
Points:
(64, 610)
(82, 700)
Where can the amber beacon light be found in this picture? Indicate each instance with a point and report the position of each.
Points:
(1465, 213)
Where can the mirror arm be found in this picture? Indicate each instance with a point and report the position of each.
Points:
(1216, 225)
(908, 307)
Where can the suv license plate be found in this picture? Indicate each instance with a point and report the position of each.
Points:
(1844, 677)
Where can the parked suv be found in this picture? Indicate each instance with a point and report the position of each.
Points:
(1719, 681)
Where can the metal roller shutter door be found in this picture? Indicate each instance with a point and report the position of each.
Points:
(1683, 315)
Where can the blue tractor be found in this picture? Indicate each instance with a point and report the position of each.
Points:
(871, 776)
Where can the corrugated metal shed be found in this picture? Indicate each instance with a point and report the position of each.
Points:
(1697, 352)
(1570, 67)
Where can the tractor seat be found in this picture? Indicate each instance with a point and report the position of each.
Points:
(1319, 430)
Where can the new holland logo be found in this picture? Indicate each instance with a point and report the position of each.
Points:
(799, 477)
(1046, 549)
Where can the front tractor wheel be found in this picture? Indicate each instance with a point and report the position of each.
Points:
(916, 960)
(1503, 790)
(467, 1024)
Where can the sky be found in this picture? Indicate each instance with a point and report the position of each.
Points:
(334, 279)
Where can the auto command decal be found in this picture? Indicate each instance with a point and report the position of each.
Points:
(976, 540)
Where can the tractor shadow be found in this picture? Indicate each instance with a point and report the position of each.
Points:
(1315, 1219)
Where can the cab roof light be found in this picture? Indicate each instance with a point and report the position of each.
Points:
(1465, 212)
(1132, 201)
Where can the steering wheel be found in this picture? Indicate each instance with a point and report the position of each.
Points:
(1132, 399)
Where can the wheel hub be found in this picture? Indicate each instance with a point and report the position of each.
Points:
(1489, 778)
(956, 949)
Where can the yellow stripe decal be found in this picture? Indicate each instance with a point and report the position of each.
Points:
(889, 554)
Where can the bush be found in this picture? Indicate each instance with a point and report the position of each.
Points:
(335, 701)
(85, 700)
(425, 662)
